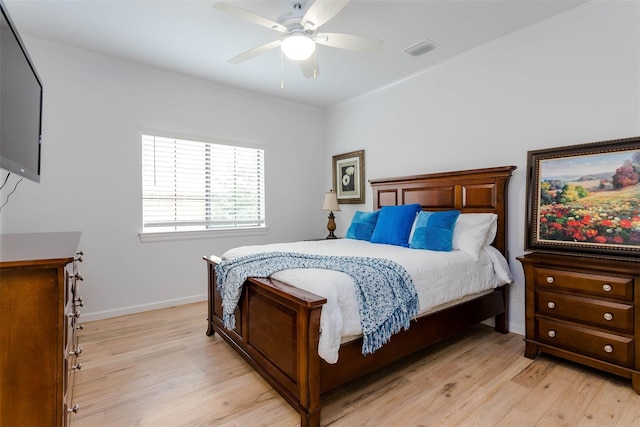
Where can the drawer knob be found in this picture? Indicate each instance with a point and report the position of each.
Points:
(76, 314)
(606, 287)
(77, 367)
(74, 409)
(552, 334)
(78, 276)
(76, 352)
(80, 327)
(608, 348)
(78, 302)
(608, 316)
(550, 279)
(551, 304)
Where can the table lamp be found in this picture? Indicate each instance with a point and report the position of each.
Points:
(331, 204)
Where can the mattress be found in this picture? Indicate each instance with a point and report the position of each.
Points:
(439, 277)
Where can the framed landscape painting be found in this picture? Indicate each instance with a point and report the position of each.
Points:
(348, 177)
(585, 199)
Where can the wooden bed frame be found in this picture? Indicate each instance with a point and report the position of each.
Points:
(277, 325)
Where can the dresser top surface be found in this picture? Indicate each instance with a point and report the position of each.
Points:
(585, 263)
(37, 246)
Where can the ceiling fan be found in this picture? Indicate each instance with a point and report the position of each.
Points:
(299, 33)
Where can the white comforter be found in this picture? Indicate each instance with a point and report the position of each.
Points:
(439, 278)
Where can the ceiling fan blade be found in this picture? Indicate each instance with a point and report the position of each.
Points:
(349, 42)
(251, 53)
(250, 16)
(320, 12)
(310, 68)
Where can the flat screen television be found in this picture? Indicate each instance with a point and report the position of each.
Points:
(20, 104)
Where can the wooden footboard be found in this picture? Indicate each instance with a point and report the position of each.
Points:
(277, 332)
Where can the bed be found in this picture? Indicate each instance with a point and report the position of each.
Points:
(277, 326)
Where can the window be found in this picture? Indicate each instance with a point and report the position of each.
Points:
(194, 185)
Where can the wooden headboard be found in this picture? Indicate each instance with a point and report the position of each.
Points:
(474, 190)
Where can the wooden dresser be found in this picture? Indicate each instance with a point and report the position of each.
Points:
(586, 310)
(39, 310)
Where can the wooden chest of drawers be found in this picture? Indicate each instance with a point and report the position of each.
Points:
(584, 309)
(39, 311)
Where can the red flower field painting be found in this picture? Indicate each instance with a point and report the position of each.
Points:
(590, 200)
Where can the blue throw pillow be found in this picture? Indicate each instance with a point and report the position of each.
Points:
(434, 230)
(394, 224)
(362, 225)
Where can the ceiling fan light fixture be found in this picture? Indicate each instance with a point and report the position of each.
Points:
(298, 47)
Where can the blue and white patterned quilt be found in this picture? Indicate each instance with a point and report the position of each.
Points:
(385, 292)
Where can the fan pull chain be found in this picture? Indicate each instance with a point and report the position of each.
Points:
(281, 70)
(315, 64)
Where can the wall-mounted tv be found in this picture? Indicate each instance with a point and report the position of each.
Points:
(20, 104)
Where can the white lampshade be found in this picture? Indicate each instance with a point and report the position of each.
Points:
(298, 47)
(330, 201)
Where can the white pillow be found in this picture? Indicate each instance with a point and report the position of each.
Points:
(474, 231)
(500, 266)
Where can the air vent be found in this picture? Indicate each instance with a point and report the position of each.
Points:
(420, 48)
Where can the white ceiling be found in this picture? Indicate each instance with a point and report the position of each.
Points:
(192, 38)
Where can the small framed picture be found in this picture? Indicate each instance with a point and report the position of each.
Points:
(348, 177)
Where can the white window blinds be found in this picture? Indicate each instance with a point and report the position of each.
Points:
(193, 185)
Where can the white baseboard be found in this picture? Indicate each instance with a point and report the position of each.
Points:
(516, 328)
(105, 314)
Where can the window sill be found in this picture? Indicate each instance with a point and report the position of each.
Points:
(167, 236)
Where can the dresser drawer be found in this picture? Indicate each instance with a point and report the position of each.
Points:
(601, 345)
(609, 315)
(595, 284)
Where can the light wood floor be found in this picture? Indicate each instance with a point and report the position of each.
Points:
(160, 369)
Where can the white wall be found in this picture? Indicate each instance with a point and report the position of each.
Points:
(572, 80)
(94, 110)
